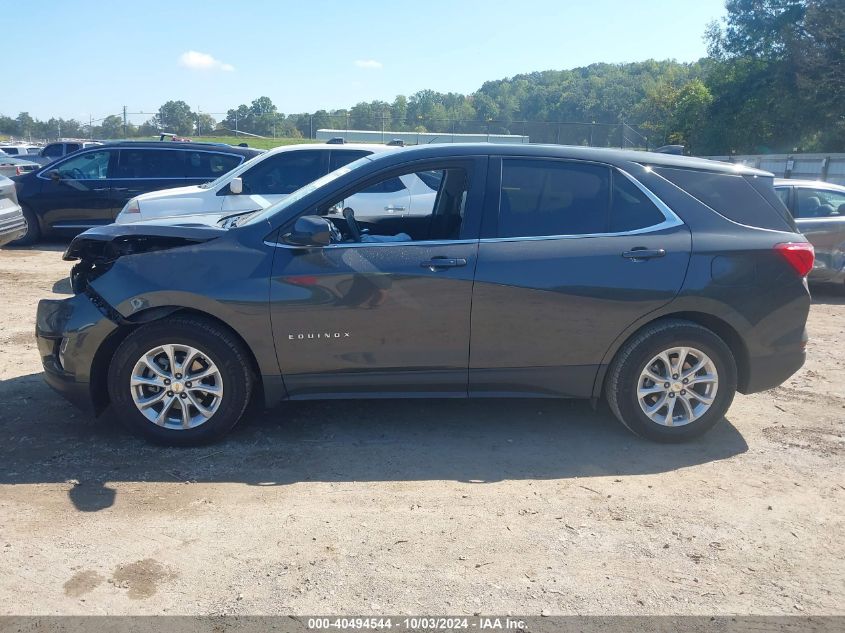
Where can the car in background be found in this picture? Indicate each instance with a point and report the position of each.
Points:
(54, 151)
(12, 222)
(19, 149)
(89, 187)
(819, 211)
(271, 177)
(663, 283)
(16, 165)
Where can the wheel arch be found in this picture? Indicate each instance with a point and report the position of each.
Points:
(105, 353)
(717, 325)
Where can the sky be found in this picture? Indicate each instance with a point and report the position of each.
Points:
(89, 58)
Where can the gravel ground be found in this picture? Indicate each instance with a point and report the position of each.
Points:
(391, 507)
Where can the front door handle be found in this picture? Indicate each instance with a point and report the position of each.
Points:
(391, 208)
(640, 253)
(443, 262)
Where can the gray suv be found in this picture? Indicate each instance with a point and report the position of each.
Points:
(662, 283)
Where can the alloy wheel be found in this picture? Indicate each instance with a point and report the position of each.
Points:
(677, 386)
(176, 386)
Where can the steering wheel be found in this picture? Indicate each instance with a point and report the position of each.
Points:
(352, 223)
(77, 174)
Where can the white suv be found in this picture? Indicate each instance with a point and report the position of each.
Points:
(272, 176)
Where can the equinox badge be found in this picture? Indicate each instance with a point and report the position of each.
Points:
(316, 335)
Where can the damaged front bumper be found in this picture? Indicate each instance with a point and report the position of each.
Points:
(69, 333)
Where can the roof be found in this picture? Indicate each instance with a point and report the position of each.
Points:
(617, 157)
(370, 147)
(233, 149)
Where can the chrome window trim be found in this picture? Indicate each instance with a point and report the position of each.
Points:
(99, 148)
(834, 218)
(376, 244)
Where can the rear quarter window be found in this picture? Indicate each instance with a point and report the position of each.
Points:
(747, 200)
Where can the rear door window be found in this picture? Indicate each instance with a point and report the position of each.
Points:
(53, 151)
(630, 208)
(143, 163)
(818, 203)
(339, 158)
(283, 173)
(783, 194)
(547, 198)
(209, 165)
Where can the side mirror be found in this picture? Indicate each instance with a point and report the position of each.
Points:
(337, 209)
(236, 185)
(310, 230)
(54, 174)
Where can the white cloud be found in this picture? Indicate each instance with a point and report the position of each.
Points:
(368, 63)
(202, 61)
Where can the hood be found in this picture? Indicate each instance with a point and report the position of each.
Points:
(176, 192)
(115, 240)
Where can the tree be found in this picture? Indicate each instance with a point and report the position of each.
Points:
(205, 124)
(176, 117)
(111, 127)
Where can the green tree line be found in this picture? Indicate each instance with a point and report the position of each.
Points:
(773, 80)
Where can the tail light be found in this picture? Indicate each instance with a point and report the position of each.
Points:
(800, 256)
(18, 171)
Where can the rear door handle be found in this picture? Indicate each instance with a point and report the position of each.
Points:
(443, 262)
(644, 253)
(392, 208)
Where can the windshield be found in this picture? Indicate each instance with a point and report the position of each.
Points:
(300, 193)
(229, 174)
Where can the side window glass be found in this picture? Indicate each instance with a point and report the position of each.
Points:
(341, 158)
(433, 215)
(284, 173)
(391, 185)
(819, 203)
(630, 208)
(209, 164)
(543, 197)
(72, 147)
(53, 151)
(88, 166)
(150, 163)
(783, 194)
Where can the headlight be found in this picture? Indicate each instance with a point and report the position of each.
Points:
(133, 206)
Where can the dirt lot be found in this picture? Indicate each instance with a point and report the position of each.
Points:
(419, 507)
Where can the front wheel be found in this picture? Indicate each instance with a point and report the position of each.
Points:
(180, 381)
(673, 381)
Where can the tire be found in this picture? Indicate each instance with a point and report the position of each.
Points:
(215, 351)
(33, 230)
(625, 377)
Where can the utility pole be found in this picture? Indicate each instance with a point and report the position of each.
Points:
(90, 126)
(310, 126)
(60, 129)
(124, 121)
(199, 125)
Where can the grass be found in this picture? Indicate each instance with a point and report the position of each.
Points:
(259, 143)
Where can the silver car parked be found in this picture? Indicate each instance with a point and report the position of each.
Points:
(16, 166)
(12, 222)
(819, 211)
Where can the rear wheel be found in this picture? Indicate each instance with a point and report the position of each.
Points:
(673, 381)
(180, 381)
(33, 231)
